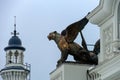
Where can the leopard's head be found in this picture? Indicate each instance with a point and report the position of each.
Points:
(52, 35)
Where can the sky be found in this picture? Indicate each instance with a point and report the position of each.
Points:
(35, 19)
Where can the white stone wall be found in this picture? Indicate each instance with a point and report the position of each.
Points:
(69, 71)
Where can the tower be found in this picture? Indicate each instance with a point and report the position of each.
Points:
(14, 68)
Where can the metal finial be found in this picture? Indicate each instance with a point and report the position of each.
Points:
(15, 32)
(15, 23)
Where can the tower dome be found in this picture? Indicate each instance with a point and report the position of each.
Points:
(15, 43)
(14, 40)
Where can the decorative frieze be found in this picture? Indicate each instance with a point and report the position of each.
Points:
(107, 34)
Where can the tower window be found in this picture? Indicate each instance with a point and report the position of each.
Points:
(10, 57)
(16, 56)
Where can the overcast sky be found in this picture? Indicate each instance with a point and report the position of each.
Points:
(35, 19)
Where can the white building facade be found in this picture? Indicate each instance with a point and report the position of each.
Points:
(14, 68)
(107, 16)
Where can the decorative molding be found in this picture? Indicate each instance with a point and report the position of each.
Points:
(95, 76)
(106, 69)
(108, 37)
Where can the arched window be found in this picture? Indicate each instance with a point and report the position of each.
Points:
(21, 58)
(16, 56)
(10, 57)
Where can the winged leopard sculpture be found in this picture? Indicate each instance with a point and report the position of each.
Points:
(67, 46)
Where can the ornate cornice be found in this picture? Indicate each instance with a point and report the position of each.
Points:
(102, 12)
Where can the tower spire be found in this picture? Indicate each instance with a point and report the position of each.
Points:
(15, 23)
(15, 32)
